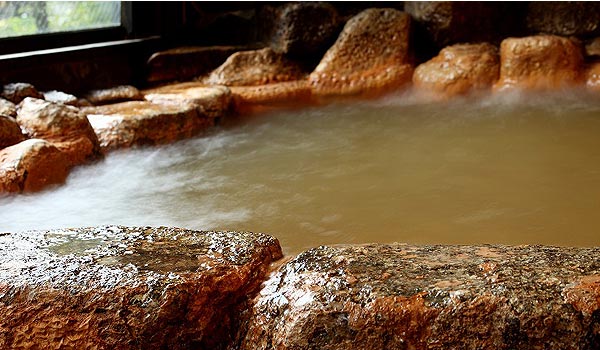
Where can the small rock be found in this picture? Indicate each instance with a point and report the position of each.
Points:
(17, 92)
(116, 94)
(248, 99)
(370, 56)
(592, 48)
(540, 62)
(256, 67)
(592, 81)
(65, 126)
(576, 18)
(118, 287)
(10, 132)
(30, 166)
(8, 108)
(61, 97)
(459, 69)
(211, 101)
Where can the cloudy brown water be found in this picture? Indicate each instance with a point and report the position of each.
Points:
(506, 169)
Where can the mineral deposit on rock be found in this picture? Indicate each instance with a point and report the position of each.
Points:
(286, 94)
(127, 288)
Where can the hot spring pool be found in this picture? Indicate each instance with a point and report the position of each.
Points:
(506, 169)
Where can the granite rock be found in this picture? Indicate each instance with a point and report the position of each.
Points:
(117, 287)
(17, 92)
(10, 132)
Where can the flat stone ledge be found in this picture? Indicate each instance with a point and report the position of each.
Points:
(431, 297)
(118, 287)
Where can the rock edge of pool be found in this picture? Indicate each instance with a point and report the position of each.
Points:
(115, 287)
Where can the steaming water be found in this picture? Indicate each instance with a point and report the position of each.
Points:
(510, 169)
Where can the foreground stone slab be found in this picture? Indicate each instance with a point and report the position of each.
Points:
(211, 101)
(136, 123)
(127, 288)
(542, 62)
(370, 56)
(431, 297)
(31, 165)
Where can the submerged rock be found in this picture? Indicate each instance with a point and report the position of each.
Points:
(540, 62)
(370, 56)
(64, 126)
(211, 101)
(430, 297)
(115, 94)
(10, 133)
(256, 67)
(127, 288)
(459, 69)
(17, 92)
(30, 166)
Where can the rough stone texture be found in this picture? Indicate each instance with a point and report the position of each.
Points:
(17, 92)
(30, 166)
(459, 69)
(249, 99)
(115, 94)
(255, 67)
(61, 97)
(370, 55)
(136, 123)
(10, 132)
(540, 62)
(303, 30)
(211, 101)
(65, 126)
(564, 18)
(430, 297)
(184, 63)
(127, 288)
(8, 108)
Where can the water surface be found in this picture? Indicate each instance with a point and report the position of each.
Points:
(507, 169)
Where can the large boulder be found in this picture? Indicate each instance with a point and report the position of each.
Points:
(540, 62)
(430, 297)
(567, 18)
(371, 55)
(211, 101)
(115, 94)
(136, 123)
(250, 99)
(31, 165)
(459, 69)
(17, 92)
(64, 126)
(10, 132)
(256, 67)
(127, 288)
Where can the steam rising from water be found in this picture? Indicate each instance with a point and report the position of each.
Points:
(505, 169)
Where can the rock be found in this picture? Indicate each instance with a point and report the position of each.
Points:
(64, 126)
(430, 297)
(7, 108)
(573, 18)
(592, 48)
(10, 132)
(115, 94)
(30, 166)
(136, 123)
(211, 101)
(248, 99)
(17, 92)
(540, 62)
(185, 63)
(127, 288)
(459, 69)
(61, 97)
(304, 30)
(592, 75)
(256, 67)
(371, 55)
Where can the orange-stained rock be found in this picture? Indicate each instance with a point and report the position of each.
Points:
(135, 123)
(10, 133)
(370, 56)
(592, 77)
(7, 108)
(17, 92)
(211, 101)
(30, 166)
(256, 67)
(540, 62)
(397, 296)
(459, 69)
(128, 288)
(115, 94)
(64, 126)
(287, 94)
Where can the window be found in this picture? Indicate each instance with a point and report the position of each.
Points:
(20, 18)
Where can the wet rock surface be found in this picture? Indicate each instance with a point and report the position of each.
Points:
(253, 98)
(136, 123)
(540, 62)
(127, 288)
(255, 67)
(10, 133)
(64, 126)
(430, 297)
(115, 94)
(17, 92)
(31, 166)
(211, 101)
(459, 69)
(370, 55)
